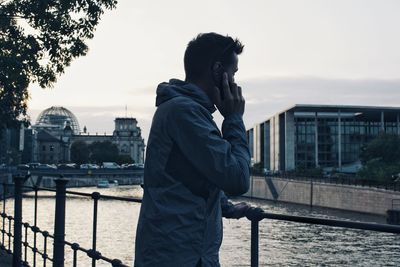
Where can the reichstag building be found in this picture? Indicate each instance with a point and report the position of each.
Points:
(57, 128)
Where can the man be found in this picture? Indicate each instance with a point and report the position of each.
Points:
(190, 163)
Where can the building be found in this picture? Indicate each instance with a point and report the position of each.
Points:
(57, 129)
(326, 136)
(11, 145)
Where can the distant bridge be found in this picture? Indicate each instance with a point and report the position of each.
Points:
(77, 177)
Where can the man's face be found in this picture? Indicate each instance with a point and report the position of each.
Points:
(216, 76)
(232, 68)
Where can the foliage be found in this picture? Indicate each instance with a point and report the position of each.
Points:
(308, 172)
(121, 159)
(97, 152)
(39, 38)
(103, 152)
(257, 167)
(79, 152)
(381, 158)
(385, 148)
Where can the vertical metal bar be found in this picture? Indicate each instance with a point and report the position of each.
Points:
(74, 261)
(254, 243)
(45, 251)
(4, 213)
(35, 226)
(17, 250)
(59, 223)
(9, 233)
(26, 242)
(95, 196)
(75, 248)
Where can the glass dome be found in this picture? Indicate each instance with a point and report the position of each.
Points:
(58, 117)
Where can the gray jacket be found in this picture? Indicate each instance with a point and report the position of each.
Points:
(189, 164)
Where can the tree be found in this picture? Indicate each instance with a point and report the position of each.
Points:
(385, 147)
(38, 39)
(121, 159)
(79, 152)
(103, 152)
(381, 158)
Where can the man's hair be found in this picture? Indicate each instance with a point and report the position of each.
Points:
(207, 48)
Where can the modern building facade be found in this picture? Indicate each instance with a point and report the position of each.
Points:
(326, 136)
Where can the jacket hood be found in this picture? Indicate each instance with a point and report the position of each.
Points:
(175, 88)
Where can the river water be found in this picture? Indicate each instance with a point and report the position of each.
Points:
(281, 243)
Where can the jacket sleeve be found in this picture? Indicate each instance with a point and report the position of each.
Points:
(225, 159)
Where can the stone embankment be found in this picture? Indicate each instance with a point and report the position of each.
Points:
(337, 196)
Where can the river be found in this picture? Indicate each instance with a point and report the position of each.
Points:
(281, 243)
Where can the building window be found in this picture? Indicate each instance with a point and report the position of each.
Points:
(51, 147)
(43, 148)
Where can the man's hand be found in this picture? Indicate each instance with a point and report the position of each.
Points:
(233, 101)
(254, 214)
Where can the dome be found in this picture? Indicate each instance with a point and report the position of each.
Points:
(58, 117)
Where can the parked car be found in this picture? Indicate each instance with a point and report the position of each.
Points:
(23, 167)
(33, 165)
(111, 165)
(67, 166)
(46, 167)
(87, 166)
(131, 167)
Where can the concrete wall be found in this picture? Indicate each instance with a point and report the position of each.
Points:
(289, 141)
(344, 197)
(274, 137)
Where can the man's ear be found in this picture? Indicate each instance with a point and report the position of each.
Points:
(217, 66)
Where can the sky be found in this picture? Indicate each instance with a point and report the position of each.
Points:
(296, 52)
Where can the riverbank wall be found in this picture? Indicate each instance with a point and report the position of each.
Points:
(319, 194)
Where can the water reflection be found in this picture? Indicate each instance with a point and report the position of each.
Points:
(281, 243)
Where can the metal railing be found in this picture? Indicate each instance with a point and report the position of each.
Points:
(59, 227)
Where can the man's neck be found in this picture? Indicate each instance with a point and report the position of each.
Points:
(199, 83)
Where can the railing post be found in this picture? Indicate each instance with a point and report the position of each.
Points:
(3, 216)
(59, 223)
(96, 197)
(254, 243)
(17, 244)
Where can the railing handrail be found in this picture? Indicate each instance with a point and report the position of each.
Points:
(387, 228)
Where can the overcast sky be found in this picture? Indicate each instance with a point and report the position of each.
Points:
(298, 51)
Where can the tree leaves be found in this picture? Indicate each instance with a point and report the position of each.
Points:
(381, 158)
(38, 40)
